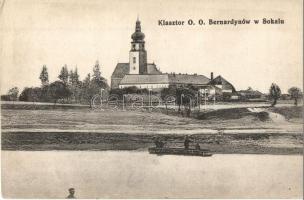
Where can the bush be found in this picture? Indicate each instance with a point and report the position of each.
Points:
(31, 94)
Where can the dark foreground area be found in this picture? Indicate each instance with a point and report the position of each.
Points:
(224, 143)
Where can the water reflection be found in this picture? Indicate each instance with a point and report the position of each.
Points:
(114, 174)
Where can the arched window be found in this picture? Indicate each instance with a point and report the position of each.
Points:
(134, 59)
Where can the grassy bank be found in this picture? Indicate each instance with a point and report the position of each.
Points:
(233, 113)
(234, 130)
(143, 121)
(290, 112)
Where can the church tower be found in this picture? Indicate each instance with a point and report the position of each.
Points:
(138, 54)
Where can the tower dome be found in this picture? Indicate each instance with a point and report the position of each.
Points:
(138, 36)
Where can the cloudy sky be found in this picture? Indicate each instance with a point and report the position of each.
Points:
(77, 33)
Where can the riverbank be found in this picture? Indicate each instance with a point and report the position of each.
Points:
(239, 130)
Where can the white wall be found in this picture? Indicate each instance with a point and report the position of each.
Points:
(142, 86)
(133, 54)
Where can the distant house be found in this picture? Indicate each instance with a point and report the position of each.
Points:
(250, 94)
(220, 88)
(224, 85)
(188, 79)
(285, 97)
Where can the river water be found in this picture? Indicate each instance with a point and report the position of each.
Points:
(138, 174)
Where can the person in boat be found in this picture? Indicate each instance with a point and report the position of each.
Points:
(161, 144)
(187, 142)
(158, 143)
(71, 195)
(197, 146)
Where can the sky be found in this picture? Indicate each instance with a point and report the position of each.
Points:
(34, 33)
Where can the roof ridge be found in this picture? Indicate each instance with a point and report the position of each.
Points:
(147, 74)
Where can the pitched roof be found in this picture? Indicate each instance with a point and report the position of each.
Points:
(188, 79)
(121, 70)
(151, 68)
(219, 80)
(145, 79)
(250, 91)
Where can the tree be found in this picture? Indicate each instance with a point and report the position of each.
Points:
(184, 96)
(31, 94)
(168, 94)
(119, 92)
(86, 81)
(71, 75)
(97, 78)
(44, 76)
(58, 90)
(64, 74)
(74, 77)
(24, 96)
(75, 85)
(295, 94)
(91, 85)
(13, 93)
(87, 91)
(274, 93)
(90, 88)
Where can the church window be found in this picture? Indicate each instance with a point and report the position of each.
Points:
(134, 59)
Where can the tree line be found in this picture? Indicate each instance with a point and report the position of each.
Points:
(70, 89)
(67, 89)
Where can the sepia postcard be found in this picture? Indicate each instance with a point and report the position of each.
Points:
(151, 99)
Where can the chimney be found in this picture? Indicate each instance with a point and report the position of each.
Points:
(211, 76)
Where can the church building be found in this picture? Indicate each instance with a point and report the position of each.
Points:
(138, 72)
